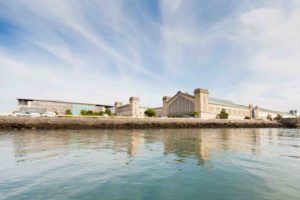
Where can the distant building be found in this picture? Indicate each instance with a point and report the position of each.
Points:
(179, 105)
(294, 112)
(133, 109)
(262, 113)
(41, 106)
(159, 111)
(184, 105)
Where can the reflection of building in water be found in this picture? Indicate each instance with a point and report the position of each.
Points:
(224, 139)
(246, 141)
(28, 144)
(37, 145)
(137, 140)
(183, 143)
(206, 143)
(200, 143)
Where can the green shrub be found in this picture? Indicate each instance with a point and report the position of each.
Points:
(278, 117)
(223, 114)
(83, 112)
(269, 117)
(108, 112)
(150, 112)
(89, 112)
(196, 114)
(68, 112)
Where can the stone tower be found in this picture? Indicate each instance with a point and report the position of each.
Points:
(165, 108)
(134, 103)
(117, 104)
(201, 102)
(251, 111)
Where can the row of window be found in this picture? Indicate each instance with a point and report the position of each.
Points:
(23, 102)
(181, 105)
(230, 111)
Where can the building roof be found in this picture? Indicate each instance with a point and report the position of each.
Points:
(274, 111)
(123, 106)
(179, 92)
(158, 108)
(57, 101)
(223, 102)
(145, 107)
(215, 101)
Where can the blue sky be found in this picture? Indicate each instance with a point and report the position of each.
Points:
(103, 51)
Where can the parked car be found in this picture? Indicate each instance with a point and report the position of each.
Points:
(49, 114)
(22, 114)
(35, 114)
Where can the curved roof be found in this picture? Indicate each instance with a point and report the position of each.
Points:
(223, 102)
(68, 102)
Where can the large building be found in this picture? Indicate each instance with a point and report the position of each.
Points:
(184, 104)
(294, 112)
(179, 105)
(133, 109)
(60, 107)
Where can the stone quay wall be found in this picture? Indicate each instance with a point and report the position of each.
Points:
(128, 123)
(291, 122)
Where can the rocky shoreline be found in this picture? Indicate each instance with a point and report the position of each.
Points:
(13, 123)
(291, 122)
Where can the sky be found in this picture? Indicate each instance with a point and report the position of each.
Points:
(102, 51)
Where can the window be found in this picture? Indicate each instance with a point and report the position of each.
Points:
(23, 102)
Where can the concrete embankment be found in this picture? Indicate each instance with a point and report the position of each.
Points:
(291, 122)
(128, 123)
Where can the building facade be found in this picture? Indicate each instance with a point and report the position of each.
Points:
(133, 109)
(184, 105)
(294, 112)
(59, 107)
(262, 113)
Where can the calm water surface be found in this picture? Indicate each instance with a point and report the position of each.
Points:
(151, 164)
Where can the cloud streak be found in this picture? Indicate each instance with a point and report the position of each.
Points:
(102, 51)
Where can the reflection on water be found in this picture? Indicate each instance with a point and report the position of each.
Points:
(151, 164)
(183, 143)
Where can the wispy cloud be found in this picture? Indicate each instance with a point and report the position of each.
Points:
(102, 51)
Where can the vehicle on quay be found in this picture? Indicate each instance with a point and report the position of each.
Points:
(35, 114)
(27, 114)
(49, 114)
(22, 114)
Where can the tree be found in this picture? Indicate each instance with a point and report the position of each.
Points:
(101, 113)
(223, 114)
(269, 117)
(108, 112)
(196, 114)
(150, 112)
(278, 117)
(89, 112)
(83, 112)
(68, 112)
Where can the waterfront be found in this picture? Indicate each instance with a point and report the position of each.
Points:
(150, 164)
(75, 123)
